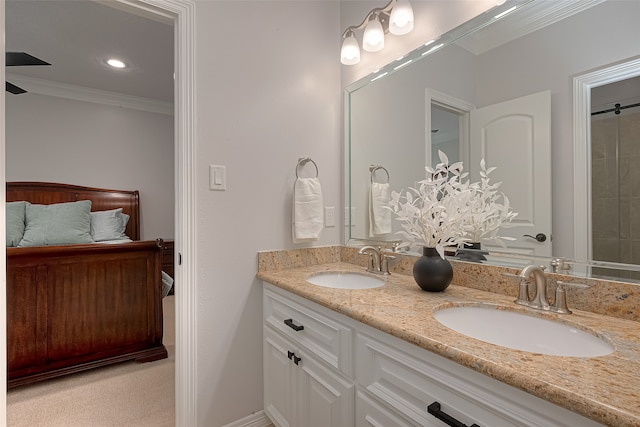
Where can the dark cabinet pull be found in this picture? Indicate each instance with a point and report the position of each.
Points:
(289, 323)
(434, 409)
(290, 355)
(296, 359)
(540, 237)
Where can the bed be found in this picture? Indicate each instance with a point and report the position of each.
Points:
(75, 307)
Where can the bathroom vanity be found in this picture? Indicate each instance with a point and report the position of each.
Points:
(378, 357)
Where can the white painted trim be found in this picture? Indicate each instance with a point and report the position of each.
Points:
(80, 93)
(259, 419)
(582, 85)
(3, 255)
(463, 108)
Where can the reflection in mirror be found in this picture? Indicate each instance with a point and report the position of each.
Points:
(615, 148)
(392, 120)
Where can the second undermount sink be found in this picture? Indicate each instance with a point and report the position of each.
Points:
(522, 332)
(345, 280)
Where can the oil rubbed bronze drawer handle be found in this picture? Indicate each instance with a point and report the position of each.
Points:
(289, 323)
(434, 409)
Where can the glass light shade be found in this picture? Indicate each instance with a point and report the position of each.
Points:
(401, 19)
(373, 39)
(350, 52)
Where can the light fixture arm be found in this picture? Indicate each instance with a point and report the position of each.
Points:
(383, 14)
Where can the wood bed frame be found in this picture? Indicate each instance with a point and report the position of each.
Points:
(75, 307)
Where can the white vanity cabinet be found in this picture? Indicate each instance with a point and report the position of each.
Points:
(307, 359)
(350, 374)
(398, 382)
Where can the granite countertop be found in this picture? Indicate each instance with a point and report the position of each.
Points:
(605, 389)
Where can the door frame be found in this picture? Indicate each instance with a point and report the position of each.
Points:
(182, 13)
(455, 105)
(582, 85)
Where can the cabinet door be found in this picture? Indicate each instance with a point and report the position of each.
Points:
(325, 399)
(371, 413)
(278, 381)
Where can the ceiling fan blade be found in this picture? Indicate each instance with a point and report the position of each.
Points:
(10, 87)
(14, 59)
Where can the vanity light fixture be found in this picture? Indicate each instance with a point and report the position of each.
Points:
(396, 17)
(373, 38)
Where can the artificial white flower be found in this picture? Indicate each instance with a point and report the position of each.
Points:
(487, 215)
(445, 210)
(433, 214)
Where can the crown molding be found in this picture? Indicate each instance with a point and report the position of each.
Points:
(80, 93)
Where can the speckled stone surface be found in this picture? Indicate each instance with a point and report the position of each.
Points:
(606, 388)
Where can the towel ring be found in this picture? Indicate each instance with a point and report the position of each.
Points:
(374, 168)
(303, 161)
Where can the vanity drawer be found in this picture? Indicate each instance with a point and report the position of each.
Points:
(409, 379)
(327, 339)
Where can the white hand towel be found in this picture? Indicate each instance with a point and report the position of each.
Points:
(308, 213)
(379, 215)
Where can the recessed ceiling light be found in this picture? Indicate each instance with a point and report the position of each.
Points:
(116, 63)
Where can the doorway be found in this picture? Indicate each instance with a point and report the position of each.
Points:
(182, 13)
(583, 86)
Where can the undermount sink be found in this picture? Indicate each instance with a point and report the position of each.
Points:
(522, 332)
(345, 280)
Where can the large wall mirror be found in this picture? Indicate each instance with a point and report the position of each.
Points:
(398, 118)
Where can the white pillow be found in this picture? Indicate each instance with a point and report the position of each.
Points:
(108, 225)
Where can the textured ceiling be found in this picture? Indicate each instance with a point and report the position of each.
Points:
(76, 36)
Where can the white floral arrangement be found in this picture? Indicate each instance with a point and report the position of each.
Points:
(487, 215)
(445, 210)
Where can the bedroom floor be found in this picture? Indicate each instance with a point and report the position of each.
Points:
(128, 394)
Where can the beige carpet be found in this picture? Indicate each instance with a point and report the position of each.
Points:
(129, 394)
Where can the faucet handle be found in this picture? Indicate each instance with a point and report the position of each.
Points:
(560, 302)
(384, 264)
(523, 288)
(560, 264)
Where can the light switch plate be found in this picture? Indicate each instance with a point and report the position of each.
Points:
(217, 178)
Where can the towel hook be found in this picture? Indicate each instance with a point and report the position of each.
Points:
(303, 161)
(374, 168)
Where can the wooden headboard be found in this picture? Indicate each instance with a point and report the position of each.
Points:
(46, 193)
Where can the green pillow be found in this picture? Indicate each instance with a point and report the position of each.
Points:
(14, 213)
(57, 224)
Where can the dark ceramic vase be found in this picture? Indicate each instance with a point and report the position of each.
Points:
(471, 252)
(431, 272)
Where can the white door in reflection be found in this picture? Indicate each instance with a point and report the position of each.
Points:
(515, 137)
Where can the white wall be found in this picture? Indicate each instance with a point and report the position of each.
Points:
(268, 92)
(74, 142)
(268, 84)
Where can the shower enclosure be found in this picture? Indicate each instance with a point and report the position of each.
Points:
(615, 185)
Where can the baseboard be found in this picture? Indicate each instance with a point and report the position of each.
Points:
(259, 419)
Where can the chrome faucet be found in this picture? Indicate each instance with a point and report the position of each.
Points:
(541, 301)
(378, 260)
